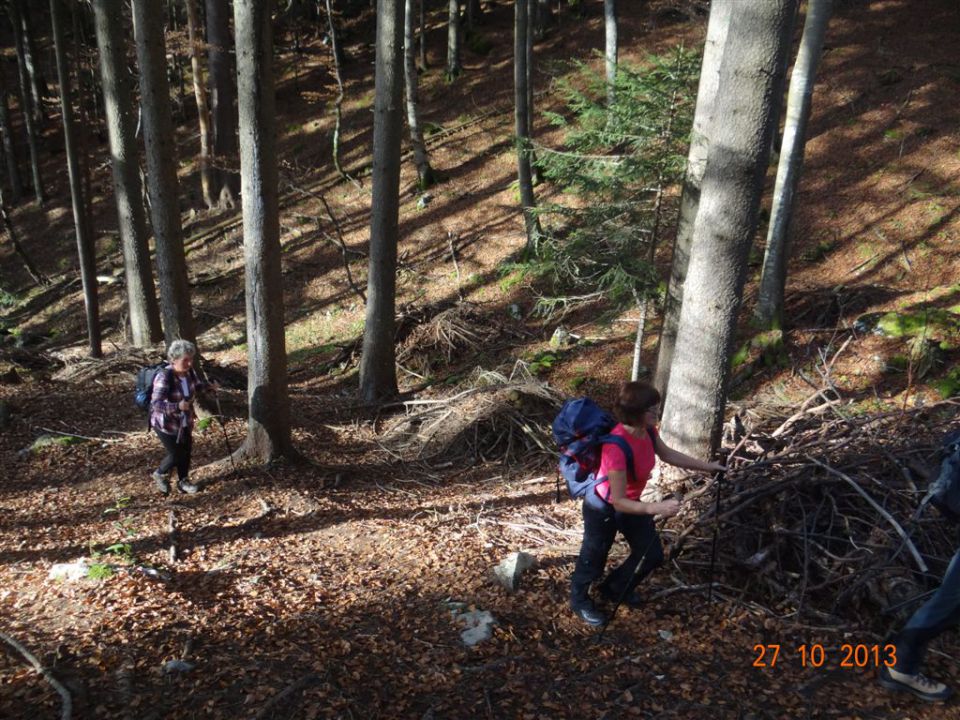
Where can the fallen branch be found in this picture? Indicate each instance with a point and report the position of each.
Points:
(281, 697)
(47, 675)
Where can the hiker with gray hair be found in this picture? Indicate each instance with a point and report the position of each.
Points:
(172, 415)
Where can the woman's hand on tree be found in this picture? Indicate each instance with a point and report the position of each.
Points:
(668, 508)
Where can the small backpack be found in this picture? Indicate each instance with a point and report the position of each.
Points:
(144, 387)
(944, 492)
(580, 429)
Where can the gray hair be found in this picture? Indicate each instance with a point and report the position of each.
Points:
(179, 348)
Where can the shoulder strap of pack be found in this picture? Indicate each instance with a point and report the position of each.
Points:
(624, 446)
(653, 439)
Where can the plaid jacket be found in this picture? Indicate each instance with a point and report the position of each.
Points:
(165, 413)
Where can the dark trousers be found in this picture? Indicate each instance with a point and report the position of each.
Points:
(600, 526)
(940, 612)
(178, 453)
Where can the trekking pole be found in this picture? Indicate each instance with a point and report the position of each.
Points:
(716, 535)
(226, 438)
(629, 585)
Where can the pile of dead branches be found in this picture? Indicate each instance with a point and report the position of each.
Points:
(818, 515)
(495, 419)
(458, 331)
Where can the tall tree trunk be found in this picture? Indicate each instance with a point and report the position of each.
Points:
(338, 101)
(423, 34)
(474, 12)
(424, 172)
(207, 173)
(690, 196)
(86, 250)
(131, 221)
(38, 85)
(541, 17)
(83, 130)
(531, 154)
(222, 98)
(38, 277)
(726, 223)
(378, 375)
(522, 115)
(9, 147)
(454, 34)
(25, 102)
(164, 188)
(611, 48)
(769, 311)
(268, 424)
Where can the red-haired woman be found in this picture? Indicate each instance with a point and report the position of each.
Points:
(615, 505)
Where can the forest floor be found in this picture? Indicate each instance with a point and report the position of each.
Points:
(336, 588)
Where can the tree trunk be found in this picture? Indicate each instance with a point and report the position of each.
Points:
(131, 221)
(38, 85)
(690, 197)
(453, 41)
(86, 250)
(424, 172)
(541, 17)
(769, 311)
(378, 375)
(531, 154)
(207, 173)
(32, 270)
(268, 424)
(423, 34)
(611, 48)
(726, 223)
(164, 188)
(222, 98)
(9, 148)
(25, 102)
(522, 115)
(338, 102)
(474, 12)
(83, 129)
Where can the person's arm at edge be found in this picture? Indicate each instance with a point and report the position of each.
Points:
(621, 503)
(684, 462)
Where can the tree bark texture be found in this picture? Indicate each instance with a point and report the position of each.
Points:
(420, 159)
(86, 250)
(26, 104)
(611, 48)
(223, 95)
(268, 425)
(163, 185)
(423, 33)
(717, 27)
(131, 220)
(378, 375)
(769, 311)
(454, 34)
(338, 101)
(207, 179)
(38, 85)
(521, 99)
(726, 223)
(9, 147)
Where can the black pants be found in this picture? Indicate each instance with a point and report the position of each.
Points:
(600, 526)
(178, 453)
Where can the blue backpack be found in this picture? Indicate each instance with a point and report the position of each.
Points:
(944, 492)
(580, 430)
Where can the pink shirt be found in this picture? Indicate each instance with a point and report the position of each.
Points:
(612, 458)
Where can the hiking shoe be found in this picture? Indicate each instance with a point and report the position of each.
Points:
(187, 487)
(161, 481)
(631, 599)
(919, 684)
(590, 614)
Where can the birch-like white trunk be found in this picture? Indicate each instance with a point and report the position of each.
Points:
(690, 197)
(726, 223)
(611, 48)
(769, 311)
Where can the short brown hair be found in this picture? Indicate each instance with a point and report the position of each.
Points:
(634, 400)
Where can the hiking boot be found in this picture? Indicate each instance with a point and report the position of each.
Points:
(589, 613)
(631, 599)
(919, 684)
(161, 481)
(187, 487)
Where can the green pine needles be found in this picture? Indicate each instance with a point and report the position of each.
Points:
(620, 168)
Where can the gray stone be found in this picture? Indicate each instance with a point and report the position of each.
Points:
(479, 624)
(561, 337)
(508, 572)
(177, 666)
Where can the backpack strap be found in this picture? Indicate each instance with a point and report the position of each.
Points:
(653, 440)
(625, 448)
